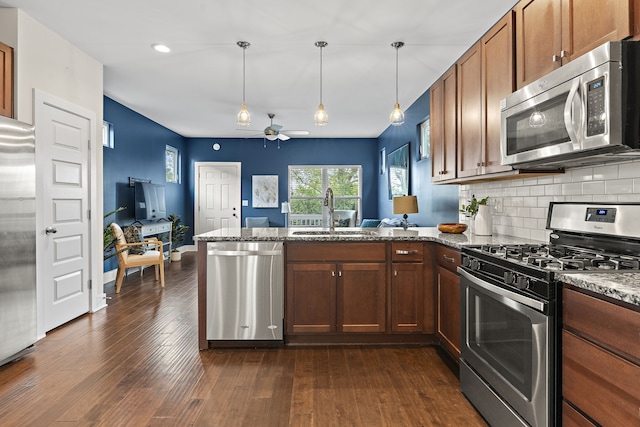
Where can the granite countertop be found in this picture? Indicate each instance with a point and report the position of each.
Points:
(350, 234)
(620, 286)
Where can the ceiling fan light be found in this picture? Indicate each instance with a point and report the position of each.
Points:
(397, 116)
(321, 117)
(244, 118)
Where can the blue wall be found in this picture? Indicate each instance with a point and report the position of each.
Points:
(436, 203)
(257, 160)
(139, 152)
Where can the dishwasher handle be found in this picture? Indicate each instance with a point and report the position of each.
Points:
(243, 253)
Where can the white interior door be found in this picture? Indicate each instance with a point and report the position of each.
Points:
(63, 138)
(217, 198)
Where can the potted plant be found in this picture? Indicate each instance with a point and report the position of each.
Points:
(471, 208)
(178, 232)
(480, 218)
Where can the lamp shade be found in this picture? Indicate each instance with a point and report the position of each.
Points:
(405, 205)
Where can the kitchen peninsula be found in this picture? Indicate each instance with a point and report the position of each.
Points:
(624, 287)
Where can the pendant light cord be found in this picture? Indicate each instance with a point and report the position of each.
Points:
(397, 47)
(321, 74)
(244, 73)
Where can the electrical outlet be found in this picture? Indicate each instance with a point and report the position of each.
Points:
(497, 204)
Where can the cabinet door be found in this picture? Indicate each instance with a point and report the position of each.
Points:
(6, 80)
(449, 310)
(586, 24)
(311, 298)
(361, 299)
(498, 81)
(469, 112)
(538, 39)
(407, 298)
(444, 118)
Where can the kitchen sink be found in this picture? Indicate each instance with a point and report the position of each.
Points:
(335, 233)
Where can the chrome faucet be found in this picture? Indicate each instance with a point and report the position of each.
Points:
(328, 201)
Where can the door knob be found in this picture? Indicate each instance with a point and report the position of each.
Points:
(50, 230)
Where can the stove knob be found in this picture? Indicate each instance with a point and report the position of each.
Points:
(522, 283)
(474, 264)
(509, 278)
(465, 261)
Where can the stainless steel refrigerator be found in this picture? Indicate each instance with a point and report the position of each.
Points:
(17, 239)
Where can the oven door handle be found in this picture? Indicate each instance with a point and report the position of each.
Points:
(522, 299)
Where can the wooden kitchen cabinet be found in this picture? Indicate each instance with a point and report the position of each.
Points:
(407, 287)
(443, 116)
(600, 361)
(325, 295)
(448, 299)
(6, 80)
(469, 117)
(550, 33)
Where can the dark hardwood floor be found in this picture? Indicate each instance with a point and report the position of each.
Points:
(137, 363)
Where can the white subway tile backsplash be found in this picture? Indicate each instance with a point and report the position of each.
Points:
(525, 202)
(619, 186)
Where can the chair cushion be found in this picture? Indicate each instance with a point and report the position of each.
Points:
(149, 256)
(256, 221)
(370, 223)
(132, 235)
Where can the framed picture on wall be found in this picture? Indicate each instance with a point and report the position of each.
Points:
(398, 171)
(425, 139)
(264, 191)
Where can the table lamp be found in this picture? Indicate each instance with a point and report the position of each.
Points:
(405, 205)
(285, 208)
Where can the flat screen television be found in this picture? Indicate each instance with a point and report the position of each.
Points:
(149, 201)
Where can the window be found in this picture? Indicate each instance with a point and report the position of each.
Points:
(107, 134)
(173, 164)
(307, 188)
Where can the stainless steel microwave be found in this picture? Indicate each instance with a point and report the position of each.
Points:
(585, 112)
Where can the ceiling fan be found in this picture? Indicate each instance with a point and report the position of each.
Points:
(274, 132)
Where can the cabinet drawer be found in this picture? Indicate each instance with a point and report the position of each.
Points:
(407, 251)
(448, 258)
(603, 385)
(573, 418)
(336, 252)
(616, 328)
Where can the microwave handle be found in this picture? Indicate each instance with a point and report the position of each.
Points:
(568, 109)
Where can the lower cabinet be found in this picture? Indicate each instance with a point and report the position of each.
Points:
(376, 288)
(329, 296)
(448, 299)
(600, 362)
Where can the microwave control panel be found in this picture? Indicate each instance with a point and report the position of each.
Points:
(601, 215)
(596, 111)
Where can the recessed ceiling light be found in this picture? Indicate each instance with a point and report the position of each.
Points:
(161, 48)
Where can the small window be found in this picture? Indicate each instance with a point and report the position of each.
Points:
(107, 135)
(173, 164)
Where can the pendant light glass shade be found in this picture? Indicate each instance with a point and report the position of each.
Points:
(321, 117)
(397, 116)
(244, 118)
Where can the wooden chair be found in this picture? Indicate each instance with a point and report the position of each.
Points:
(127, 260)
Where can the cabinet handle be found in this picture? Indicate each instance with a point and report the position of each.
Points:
(555, 58)
(449, 259)
(401, 252)
(395, 273)
(339, 273)
(563, 54)
(333, 274)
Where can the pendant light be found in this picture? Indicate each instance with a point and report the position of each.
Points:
(244, 118)
(321, 117)
(397, 116)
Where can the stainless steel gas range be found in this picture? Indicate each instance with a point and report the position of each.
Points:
(510, 308)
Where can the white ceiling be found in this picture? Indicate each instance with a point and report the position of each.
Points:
(196, 90)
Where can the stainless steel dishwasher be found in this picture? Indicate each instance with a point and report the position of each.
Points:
(245, 283)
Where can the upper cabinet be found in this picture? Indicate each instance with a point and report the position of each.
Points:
(443, 126)
(550, 33)
(6, 80)
(469, 112)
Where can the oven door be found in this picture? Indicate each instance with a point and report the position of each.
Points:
(507, 344)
